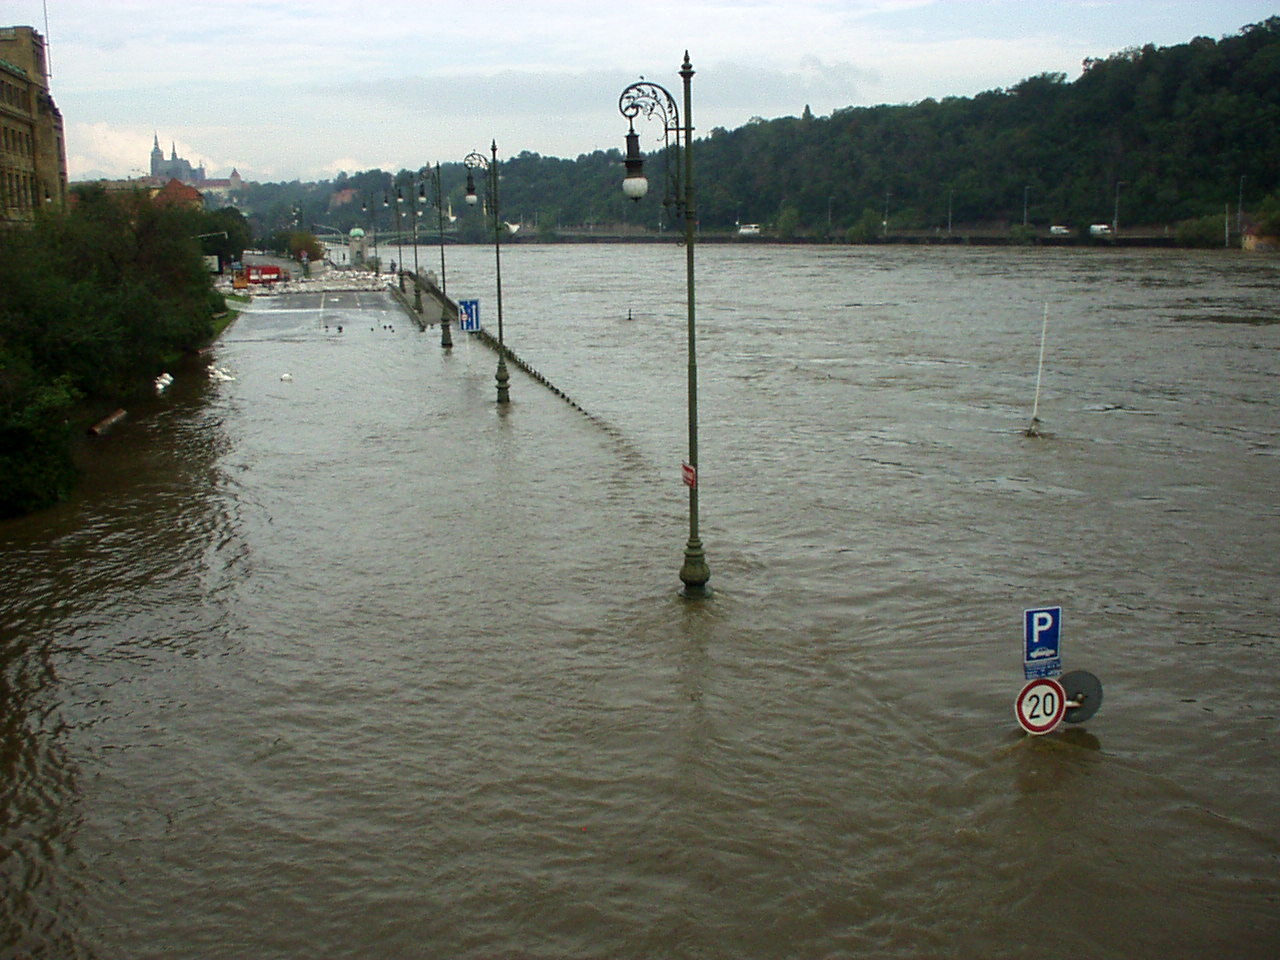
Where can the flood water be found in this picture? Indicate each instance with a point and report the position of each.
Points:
(359, 664)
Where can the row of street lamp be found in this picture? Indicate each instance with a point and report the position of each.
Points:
(645, 100)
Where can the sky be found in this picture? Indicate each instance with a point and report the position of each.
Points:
(306, 89)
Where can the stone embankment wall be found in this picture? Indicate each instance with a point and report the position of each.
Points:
(438, 308)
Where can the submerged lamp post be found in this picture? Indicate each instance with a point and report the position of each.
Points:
(650, 100)
(474, 161)
(446, 340)
(415, 199)
(372, 213)
(399, 238)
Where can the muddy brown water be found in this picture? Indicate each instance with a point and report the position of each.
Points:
(358, 664)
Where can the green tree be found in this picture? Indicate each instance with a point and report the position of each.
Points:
(1210, 231)
(304, 242)
(1268, 217)
(93, 304)
(867, 229)
(788, 223)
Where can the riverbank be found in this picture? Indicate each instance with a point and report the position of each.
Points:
(894, 239)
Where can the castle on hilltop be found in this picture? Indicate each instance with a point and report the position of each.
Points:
(176, 168)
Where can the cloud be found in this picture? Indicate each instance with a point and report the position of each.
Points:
(105, 150)
(282, 89)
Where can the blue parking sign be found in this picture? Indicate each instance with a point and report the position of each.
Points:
(1042, 632)
(469, 315)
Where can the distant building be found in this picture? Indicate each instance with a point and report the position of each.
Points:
(1255, 239)
(33, 153)
(342, 198)
(175, 167)
(175, 193)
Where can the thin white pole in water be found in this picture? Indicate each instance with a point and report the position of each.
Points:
(1032, 430)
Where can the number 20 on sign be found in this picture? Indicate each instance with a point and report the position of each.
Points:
(1040, 706)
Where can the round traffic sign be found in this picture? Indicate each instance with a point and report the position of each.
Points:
(1040, 706)
(1085, 691)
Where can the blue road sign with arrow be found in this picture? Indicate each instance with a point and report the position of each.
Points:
(469, 315)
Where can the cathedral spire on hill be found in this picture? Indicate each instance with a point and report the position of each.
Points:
(177, 168)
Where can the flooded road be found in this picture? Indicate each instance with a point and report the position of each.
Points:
(360, 664)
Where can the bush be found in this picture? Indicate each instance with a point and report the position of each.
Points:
(35, 439)
(1268, 216)
(1207, 231)
(868, 229)
(91, 304)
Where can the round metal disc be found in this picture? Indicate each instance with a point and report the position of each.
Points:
(1084, 688)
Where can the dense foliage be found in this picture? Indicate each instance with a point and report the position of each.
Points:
(1147, 136)
(1169, 133)
(93, 303)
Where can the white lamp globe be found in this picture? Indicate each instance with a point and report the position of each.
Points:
(635, 187)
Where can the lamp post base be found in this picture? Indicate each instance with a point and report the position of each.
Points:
(446, 339)
(503, 378)
(695, 573)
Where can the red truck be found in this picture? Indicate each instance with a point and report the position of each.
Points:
(260, 273)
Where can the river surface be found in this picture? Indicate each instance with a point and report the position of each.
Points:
(360, 664)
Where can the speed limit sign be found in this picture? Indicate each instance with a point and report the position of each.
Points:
(1040, 706)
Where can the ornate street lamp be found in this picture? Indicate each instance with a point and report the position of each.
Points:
(373, 230)
(420, 197)
(400, 237)
(446, 340)
(474, 161)
(399, 249)
(650, 100)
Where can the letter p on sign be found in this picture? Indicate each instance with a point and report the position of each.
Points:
(1041, 621)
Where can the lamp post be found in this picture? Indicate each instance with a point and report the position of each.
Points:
(1115, 216)
(446, 339)
(414, 200)
(1240, 210)
(399, 249)
(400, 237)
(474, 161)
(373, 229)
(649, 99)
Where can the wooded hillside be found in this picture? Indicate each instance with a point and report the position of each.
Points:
(1171, 133)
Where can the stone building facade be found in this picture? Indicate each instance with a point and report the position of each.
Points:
(33, 153)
